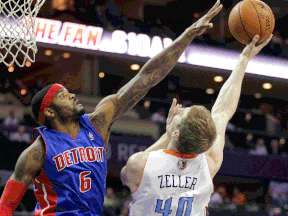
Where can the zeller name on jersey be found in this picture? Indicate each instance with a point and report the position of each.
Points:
(176, 181)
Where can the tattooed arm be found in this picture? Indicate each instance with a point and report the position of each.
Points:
(160, 65)
(112, 107)
(28, 165)
(30, 162)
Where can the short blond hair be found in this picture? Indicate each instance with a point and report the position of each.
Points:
(197, 131)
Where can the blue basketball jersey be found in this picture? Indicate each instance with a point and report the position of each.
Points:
(73, 178)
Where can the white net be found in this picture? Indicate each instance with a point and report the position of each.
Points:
(17, 31)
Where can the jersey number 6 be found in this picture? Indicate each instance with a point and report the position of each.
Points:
(166, 210)
(85, 182)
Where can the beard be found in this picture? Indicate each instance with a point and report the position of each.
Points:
(66, 112)
(78, 113)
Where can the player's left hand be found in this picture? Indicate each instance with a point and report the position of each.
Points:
(173, 111)
(251, 49)
(199, 27)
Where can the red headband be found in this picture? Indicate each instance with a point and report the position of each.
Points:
(47, 101)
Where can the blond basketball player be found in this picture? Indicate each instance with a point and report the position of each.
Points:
(174, 176)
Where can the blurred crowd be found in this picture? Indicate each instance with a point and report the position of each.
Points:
(255, 130)
(247, 202)
(116, 203)
(16, 129)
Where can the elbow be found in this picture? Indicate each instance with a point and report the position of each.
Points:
(217, 110)
(149, 80)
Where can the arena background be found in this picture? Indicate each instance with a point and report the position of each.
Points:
(90, 46)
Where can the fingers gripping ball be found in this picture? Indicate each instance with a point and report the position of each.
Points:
(249, 18)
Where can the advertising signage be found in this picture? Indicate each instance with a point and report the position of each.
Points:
(88, 37)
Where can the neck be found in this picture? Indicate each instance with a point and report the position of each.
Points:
(172, 146)
(71, 128)
(173, 150)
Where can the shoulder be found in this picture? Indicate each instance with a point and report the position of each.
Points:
(39, 143)
(103, 115)
(38, 150)
(105, 105)
(131, 174)
(137, 161)
(110, 100)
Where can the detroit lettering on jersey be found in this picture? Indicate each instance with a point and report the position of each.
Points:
(175, 181)
(79, 155)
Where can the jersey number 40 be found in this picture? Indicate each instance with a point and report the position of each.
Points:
(166, 210)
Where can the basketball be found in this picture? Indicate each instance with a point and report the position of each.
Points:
(249, 18)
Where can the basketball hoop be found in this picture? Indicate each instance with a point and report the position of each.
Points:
(17, 31)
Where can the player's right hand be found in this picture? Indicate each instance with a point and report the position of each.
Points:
(173, 111)
(199, 27)
(251, 49)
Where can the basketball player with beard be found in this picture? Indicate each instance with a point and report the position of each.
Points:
(67, 161)
(174, 175)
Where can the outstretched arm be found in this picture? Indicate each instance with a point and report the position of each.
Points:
(227, 101)
(153, 72)
(28, 165)
(160, 65)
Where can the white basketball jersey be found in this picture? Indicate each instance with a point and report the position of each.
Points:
(173, 184)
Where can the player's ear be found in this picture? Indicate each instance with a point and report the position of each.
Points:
(49, 112)
(176, 134)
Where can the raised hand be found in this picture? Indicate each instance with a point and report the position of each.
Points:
(173, 111)
(251, 49)
(203, 23)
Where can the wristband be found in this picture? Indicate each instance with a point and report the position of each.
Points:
(11, 197)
